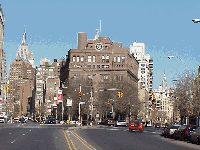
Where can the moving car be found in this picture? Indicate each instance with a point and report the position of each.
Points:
(121, 123)
(195, 136)
(158, 125)
(136, 125)
(183, 132)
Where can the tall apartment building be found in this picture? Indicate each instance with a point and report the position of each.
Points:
(47, 85)
(99, 59)
(3, 76)
(145, 76)
(21, 81)
(145, 71)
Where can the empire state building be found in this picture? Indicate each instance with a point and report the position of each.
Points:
(23, 52)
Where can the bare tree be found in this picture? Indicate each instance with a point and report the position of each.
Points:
(120, 104)
(186, 95)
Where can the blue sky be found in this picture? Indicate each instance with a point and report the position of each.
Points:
(165, 27)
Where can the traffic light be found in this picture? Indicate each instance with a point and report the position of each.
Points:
(154, 99)
(108, 102)
(122, 94)
(79, 94)
(119, 94)
(150, 97)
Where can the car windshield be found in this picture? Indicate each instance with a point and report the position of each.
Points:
(1, 117)
(175, 127)
(121, 120)
(136, 121)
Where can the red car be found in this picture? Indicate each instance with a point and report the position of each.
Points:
(136, 125)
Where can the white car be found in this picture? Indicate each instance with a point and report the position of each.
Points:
(62, 122)
(121, 123)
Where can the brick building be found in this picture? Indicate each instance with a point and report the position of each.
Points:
(99, 59)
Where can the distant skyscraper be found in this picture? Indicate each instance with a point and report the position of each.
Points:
(24, 52)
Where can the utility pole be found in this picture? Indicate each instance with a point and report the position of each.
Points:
(79, 116)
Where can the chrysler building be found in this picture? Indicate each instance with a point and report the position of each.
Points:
(23, 52)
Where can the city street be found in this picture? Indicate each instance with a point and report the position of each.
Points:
(33, 136)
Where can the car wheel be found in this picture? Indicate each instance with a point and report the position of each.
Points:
(174, 136)
(130, 130)
(141, 130)
(181, 138)
(197, 142)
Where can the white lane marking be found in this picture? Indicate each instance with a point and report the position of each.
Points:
(12, 141)
(23, 134)
(9, 133)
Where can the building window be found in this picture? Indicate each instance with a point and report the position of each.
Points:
(98, 66)
(93, 58)
(142, 68)
(103, 58)
(118, 59)
(77, 58)
(93, 66)
(115, 59)
(107, 59)
(74, 58)
(89, 58)
(142, 65)
(89, 66)
(123, 59)
(142, 72)
(82, 58)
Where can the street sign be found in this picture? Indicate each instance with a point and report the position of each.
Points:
(69, 102)
(82, 102)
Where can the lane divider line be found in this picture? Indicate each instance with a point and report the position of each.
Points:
(67, 141)
(82, 140)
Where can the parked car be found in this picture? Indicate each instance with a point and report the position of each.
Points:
(2, 120)
(16, 120)
(62, 122)
(109, 122)
(149, 123)
(195, 136)
(50, 120)
(136, 125)
(183, 132)
(164, 129)
(21, 120)
(121, 123)
(171, 129)
(99, 122)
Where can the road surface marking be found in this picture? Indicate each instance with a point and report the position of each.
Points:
(82, 140)
(68, 141)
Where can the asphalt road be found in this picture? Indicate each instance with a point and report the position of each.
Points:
(112, 138)
(32, 136)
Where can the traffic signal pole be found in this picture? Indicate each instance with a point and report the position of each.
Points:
(79, 116)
